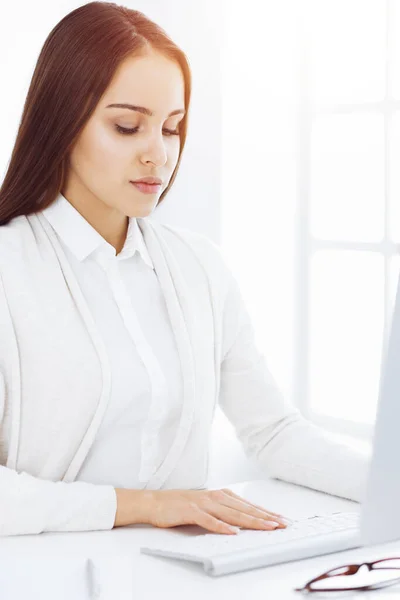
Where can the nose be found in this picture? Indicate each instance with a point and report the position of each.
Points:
(155, 150)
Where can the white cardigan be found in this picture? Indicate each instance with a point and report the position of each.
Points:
(55, 383)
(127, 304)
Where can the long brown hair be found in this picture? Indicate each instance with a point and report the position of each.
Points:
(74, 68)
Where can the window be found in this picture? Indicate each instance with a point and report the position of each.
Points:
(311, 193)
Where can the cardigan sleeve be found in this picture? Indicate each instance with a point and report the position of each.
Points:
(29, 505)
(272, 431)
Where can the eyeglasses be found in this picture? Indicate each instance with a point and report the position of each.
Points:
(380, 570)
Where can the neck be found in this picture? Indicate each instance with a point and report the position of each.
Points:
(111, 224)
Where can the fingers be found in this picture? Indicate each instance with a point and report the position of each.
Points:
(253, 517)
(204, 519)
(243, 505)
(268, 513)
(241, 519)
(230, 493)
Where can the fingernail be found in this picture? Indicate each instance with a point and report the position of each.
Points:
(273, 523)
(234, 529)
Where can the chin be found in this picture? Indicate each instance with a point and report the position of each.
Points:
(143, 211)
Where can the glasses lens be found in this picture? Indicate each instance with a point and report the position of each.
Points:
(376, 578)
(388, 563)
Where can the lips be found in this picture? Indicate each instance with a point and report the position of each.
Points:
(149, 180)
(147, 188)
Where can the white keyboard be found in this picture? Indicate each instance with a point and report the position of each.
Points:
(250, 548)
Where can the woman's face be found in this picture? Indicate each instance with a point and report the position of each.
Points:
(105, 159)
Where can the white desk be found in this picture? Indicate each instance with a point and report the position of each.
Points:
(169, 579)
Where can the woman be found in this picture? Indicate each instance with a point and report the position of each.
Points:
(119, 335)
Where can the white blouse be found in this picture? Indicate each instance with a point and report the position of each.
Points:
(130, 312)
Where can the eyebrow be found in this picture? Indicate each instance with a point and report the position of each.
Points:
(144, 110)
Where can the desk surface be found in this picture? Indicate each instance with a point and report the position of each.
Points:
(154, 576)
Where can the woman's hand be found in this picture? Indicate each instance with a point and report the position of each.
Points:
(215, 510)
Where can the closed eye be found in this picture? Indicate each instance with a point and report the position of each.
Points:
(126, 131)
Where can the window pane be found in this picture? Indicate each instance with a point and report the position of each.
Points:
(347, 46)
(347, 177)
(394, 50)
(346, 329)
(394, 177)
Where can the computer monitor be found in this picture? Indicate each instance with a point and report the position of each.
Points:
(380, 510)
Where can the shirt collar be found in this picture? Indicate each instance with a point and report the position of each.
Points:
(83, 239)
